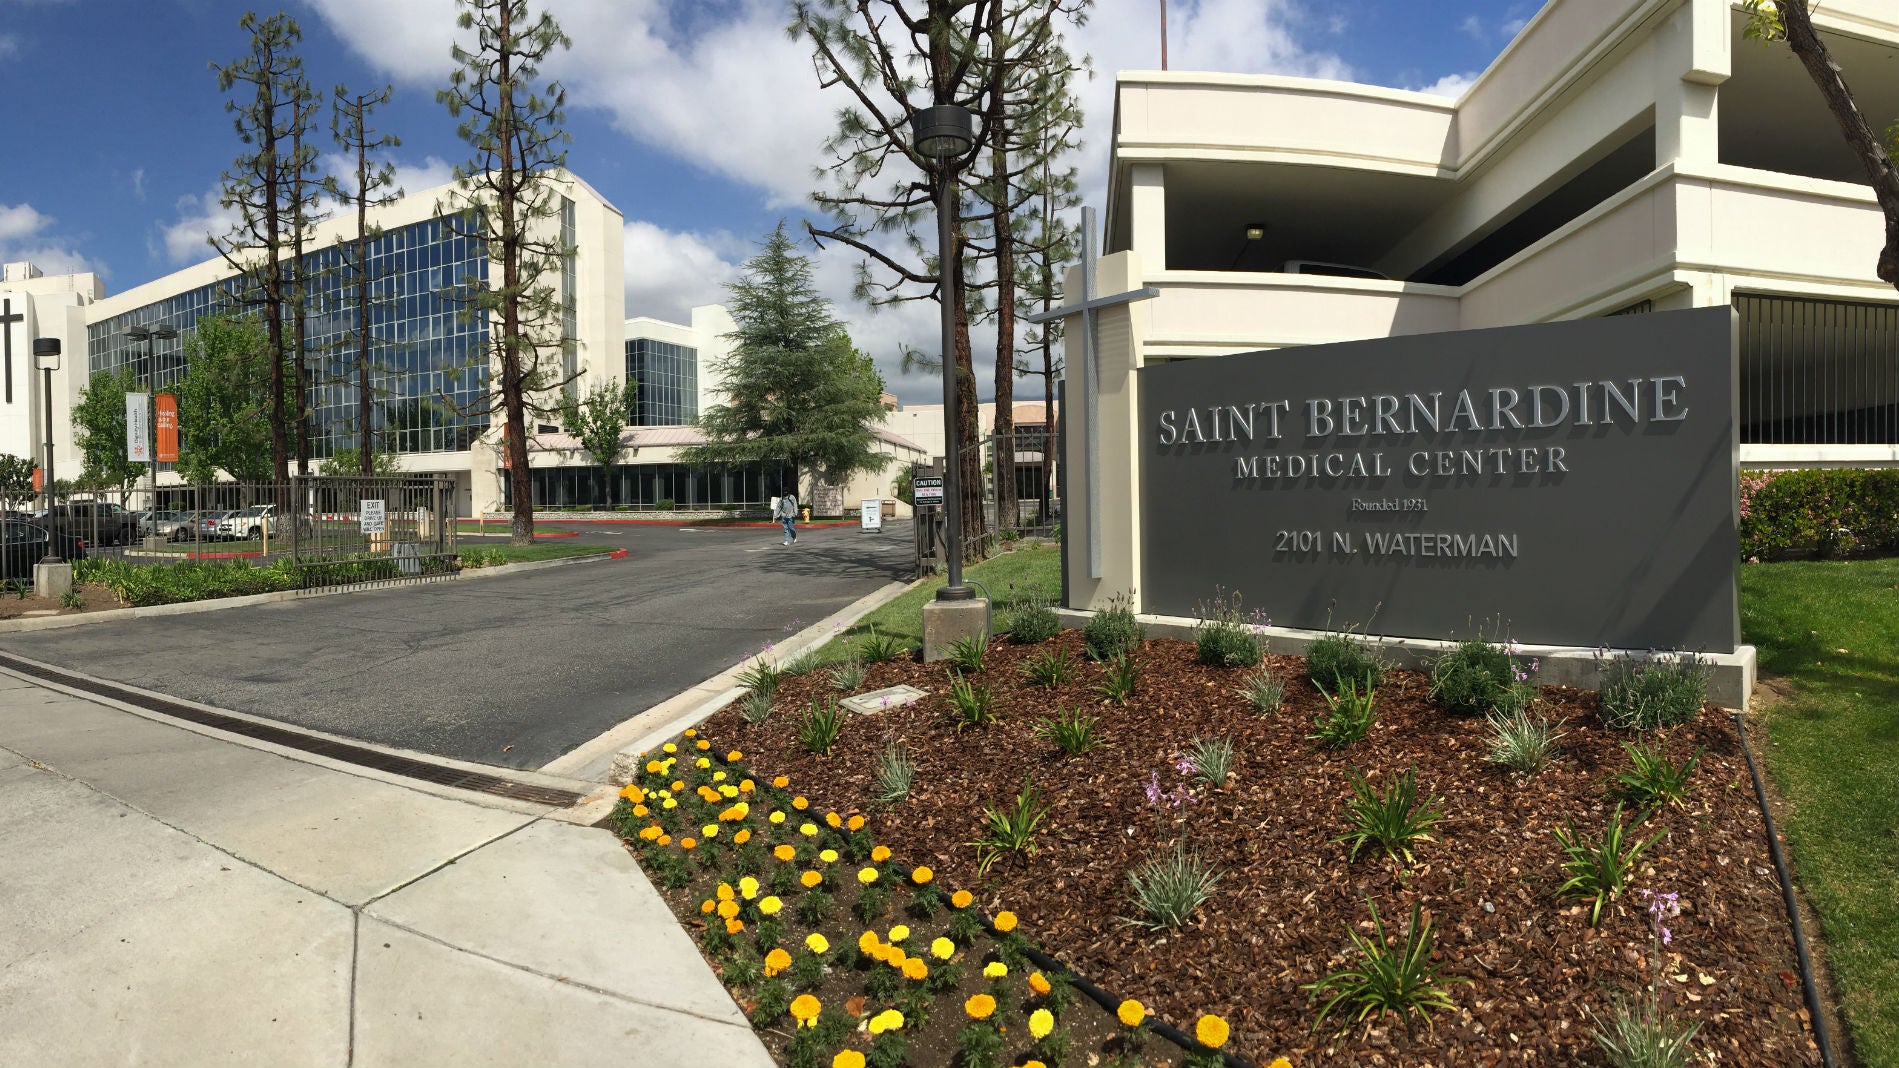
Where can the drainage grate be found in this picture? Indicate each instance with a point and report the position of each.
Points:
(476, 781)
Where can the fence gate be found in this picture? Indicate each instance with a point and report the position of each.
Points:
(351, 531)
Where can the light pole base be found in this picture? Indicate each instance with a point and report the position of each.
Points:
(52, 579)
(947, 622)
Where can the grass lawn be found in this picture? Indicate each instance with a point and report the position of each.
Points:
(1832, 629)
(903, 617)
(515, 554)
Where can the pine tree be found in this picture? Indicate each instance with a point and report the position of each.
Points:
(801, 394)
(372, 186)
(508, 199)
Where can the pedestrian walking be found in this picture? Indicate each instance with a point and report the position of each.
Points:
(788, 515)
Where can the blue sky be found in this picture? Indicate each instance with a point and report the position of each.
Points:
(697, 118)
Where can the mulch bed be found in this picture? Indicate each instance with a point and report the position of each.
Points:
(1279, 917)
(95, 599)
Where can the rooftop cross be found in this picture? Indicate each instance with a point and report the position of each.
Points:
(1089, 304)
(7, 318)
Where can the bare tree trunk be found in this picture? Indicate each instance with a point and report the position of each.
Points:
(365, 451)
(522, 527)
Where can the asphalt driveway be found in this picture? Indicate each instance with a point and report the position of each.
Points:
(512, 670)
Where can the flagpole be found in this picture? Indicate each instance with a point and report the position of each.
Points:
(1163, 4)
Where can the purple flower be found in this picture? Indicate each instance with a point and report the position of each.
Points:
(1153, 788)
(1185, 765)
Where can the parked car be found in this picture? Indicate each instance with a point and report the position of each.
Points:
(254, 521)
(98, 522)
(24, 544)
(161, 524)
(206, 530)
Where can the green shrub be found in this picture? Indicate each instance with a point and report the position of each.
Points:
(1169, 888)
(877, 648)
(1652, 780)
(1072, 732)
(1049, 669)
(1396, 979)
(1340, 657)
(1597, 868)
(894, 772)
(1114, 631)
(1348, 716)
(1010, 830)
(1222, 638)
(975, 706)
(1212, 758)
(1643, 692)
(1479, 678)
(138, 585)
(967, 653)
(1123, 673)
(847, 675)
(1391, 820)
(1833, 512)
(664, 504)
(1522, 744)
(1033, 620)
(1264, 691)
(820, 727)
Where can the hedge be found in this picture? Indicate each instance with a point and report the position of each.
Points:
(1830, 512)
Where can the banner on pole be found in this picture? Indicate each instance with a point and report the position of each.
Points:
(167, 424)
(138, 430)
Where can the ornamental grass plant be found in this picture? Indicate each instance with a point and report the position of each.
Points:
(1652, 780)
(1264, 691)
(1348, 717)
(1123, 674)
(1391, 820)
(1643, 693)
(967, 653)
(1168, 888)
(1400, 979)
(1072, 731)
(1597, 868)
(1523, 743)
(819, 728)
(1011, 830)
(1051, 668)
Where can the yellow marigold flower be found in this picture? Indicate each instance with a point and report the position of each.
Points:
(670, 748)
(669, 804)
(710, 830)
(746, 786)
(1005, 921)
(783, 852)
(867, 875)
(743, 836)
(867, 941)
(980, 1007)
(942, 949)
(652, 767)
(748, 888)
(879, 854)
(961, 899)
(718, 776)
(809, 830)
(725, 892)
(1041, 1022)
(995, 969)
(857, 823)
(847, 1058)
(887, 1020)
(800, 803)
(879, 953)
(776, 961)
(687, 843)
(899, 933)
(702, 763)
(769, 905)
(805, 1009)
(1032, 1064)
(810, 878)
(734, 926)
(664, 839)
(1039, 983)
(915, 968)
(703, 744)
(728, 791)
(1211, 1031)
(640, 810)
(649, 832)
(1131, 1012)
(777, 817)
(781, 781)
(829, 856)
(922, 875)
(834, 820)
(691, 733)
(734, 755)
(817, 943)
(1280, 1062)
(707, 906)
(728, 909)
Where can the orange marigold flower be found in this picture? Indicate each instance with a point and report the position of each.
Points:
(1280, 1062)
(879, 854)
(980, 1007)
(878, 952)
(728, 909)
(961, 899)
(857, 823)
(784, 852)
(1005, 921)
(640, 810)
(805, 1009)
(664, 839)
(895, 957)
(734, 755)
(1131, 1012)
(781, 781)
(800, 803)
(687, 843)
(1211, 1031)
(847, 1058)
(690, 733)
(810, 879)
(915, 968)
(922, 875)
(725, 892)
(734, 926)
(867, 941)
(742, 837)
(776, 961)
(746, 786)
(703, 744)
(707, 906)
(834, 820)
(1039, 983)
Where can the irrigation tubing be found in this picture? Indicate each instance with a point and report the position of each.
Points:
(1787, 895)
(1111, 1003)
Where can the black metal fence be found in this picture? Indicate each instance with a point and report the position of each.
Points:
(355, 530)
(1818, 372)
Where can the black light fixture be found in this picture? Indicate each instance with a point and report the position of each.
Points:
(941, 133)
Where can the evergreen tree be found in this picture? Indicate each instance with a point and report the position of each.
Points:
(16, 478)
(372, 185)
(598, 421)
(508, 200)
(801, 393)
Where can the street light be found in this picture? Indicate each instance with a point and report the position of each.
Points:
(151, 335)
(942, 133)
(46, 358)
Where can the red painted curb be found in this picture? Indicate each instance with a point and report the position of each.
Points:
(617, 554)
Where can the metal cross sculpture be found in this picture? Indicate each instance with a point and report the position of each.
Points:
(1087, 308)
(7, 318)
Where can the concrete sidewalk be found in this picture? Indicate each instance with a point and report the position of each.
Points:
(170, 896)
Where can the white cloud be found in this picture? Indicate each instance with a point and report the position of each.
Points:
(26, 233)
(138, 183)
(188, 240)
(1512, 27)
(1473, 27)
(1451, 85)
(9, 45)
(668, 273)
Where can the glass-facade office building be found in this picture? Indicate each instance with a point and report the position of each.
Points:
(668, 377)
(429, 354)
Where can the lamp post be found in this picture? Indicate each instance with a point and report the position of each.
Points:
(151, 335)
(46, 358)
(942, 133)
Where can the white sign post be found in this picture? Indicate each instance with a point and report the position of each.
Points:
(138, 429)
(872, 513)
(372, 517)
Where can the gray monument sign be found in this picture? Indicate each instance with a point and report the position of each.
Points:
(1567, 483)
